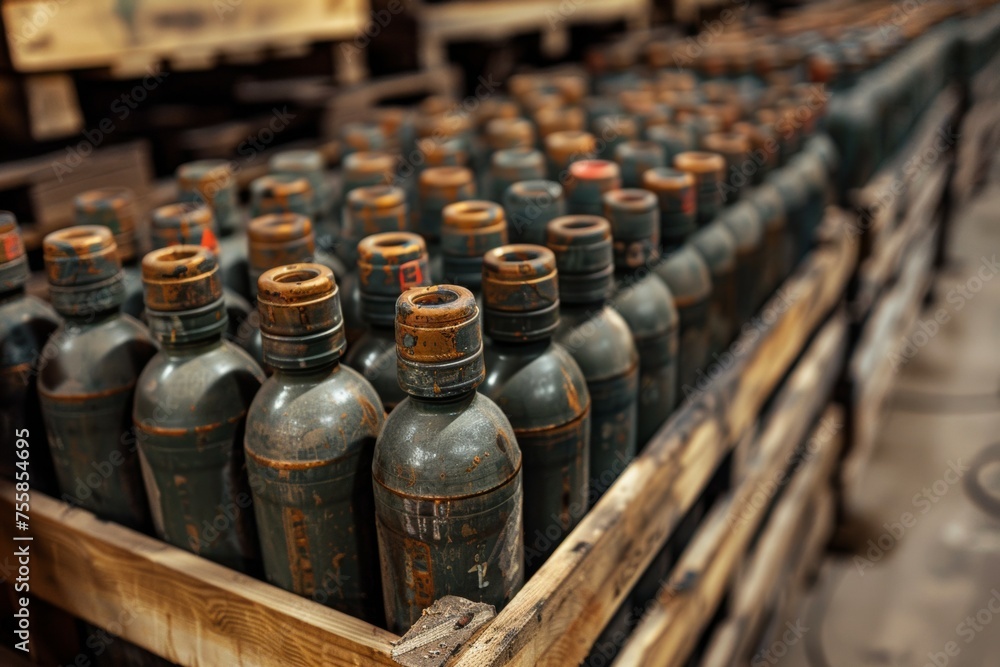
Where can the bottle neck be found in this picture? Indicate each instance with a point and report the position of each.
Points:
(443, 400)
(203, 325)
(79, 319)
(317, 373)
(191, 347)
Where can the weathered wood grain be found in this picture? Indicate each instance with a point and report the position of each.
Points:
(560, 612)
(669, 631)
(178, 605)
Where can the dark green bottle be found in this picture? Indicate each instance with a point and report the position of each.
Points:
(212, 182)
(388, 265)
(599, 340)
(744, 222)
(635, 158)
(114, 208)
(717, 246)
(447, 469)
(777, 241)
(190, 410)
(310, 437)
(276, 239)
(530, 205)
(470, 229)
(645, 303)
(88, 380)
(708, 171)
(513, 165)
(190, 223)
(675, 194)
(25, 325)
(438, 187)
(587, 183)
(541, 389)
(687, 276)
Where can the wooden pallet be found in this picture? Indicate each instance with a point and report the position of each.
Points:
(194, 612)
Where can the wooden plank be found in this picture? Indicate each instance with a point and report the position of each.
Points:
(557, 616)
(178, 605)
(49, 36)
(669, 631)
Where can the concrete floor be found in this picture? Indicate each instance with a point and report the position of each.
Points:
(920, 591)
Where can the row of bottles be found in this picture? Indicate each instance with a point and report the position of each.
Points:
(397, 371)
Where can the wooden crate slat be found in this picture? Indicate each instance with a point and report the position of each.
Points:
(669, 631)
(560, 612)
(178, 605)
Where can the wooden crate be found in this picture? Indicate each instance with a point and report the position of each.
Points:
(194, 612)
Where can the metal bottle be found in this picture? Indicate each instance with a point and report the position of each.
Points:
(564, 147)
(311, 165)
(213, 182)
(734, 148)
(25, 325)
(310, 436)
(190, 223)
(777, 242)
(276, 239)
(599, 340)
(388, 265)
(470, 229)
(676, 198)
(717, 246)
(88, 380)
(645, 302)
(114, 208)
(438, 187)
(687, 276)
(587, 183)
(190, 409)
(541, 389)
(372, 209)
(635, 158)
(447, 469)
(512, 165)
(708, 171)
(744, 222)
(530, 205)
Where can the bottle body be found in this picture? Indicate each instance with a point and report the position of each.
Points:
(86, 388)
(601, 344)
(686, 275)
(448, 504)
(543, 393)
(309, 445)
(190, 410)
(25, 325)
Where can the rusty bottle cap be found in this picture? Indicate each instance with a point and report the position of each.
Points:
(584, 257)
(310, 165)
(735, 148)
(559, 119)
(635, 227)
(301, 324)
(211, 182)
(183, 294)
(281, 193)
(186, 223)
(612, 130)
(502, 133)
(452, 122)
(564, 148)
(84, 270)
(589, 180)
(470, 229)
(635, 158)
(363, 136)
(277, 239)
(113, 208)
(388, 265)
(440, 186)
(439, 342)
(369, 168)
(520, 293)
(530, 205)
(443, 152)
(373, 209)
(673, 139)
(677, 200)
(13, 260)
(708, 171)
(511, 165)
(492, 108)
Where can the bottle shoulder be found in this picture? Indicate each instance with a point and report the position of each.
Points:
(446, 449)
(25, 324)
(535, 390)
(601, 343)
(294, 419)
(647, 306)
(686, 275)
(104, 356)
(210, 386)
